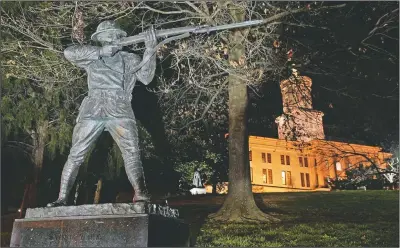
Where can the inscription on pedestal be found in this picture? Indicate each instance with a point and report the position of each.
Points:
(111, 230)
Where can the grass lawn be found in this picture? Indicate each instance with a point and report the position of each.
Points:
(324, 219)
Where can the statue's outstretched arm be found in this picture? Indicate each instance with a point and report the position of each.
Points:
(146, 73)
(82, 56)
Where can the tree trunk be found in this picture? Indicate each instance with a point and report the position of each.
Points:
(21, 208)
(83, 194)
(214, 183)
(239, 204)
(39, 138)
(97, 195)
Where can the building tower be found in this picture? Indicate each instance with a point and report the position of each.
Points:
(299, 121)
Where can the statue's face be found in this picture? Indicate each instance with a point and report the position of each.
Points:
(108, 37)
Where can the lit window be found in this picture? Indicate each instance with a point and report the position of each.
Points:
(289, 178)
(270, 181)
(264, 171)
(264, 159)
(284, 177)
(338, 166)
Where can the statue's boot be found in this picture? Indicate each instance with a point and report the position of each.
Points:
(58, 203)
(68, 177)
(136, 177)
(141, 198)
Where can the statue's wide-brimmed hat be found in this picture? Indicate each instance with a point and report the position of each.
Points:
(107, 26)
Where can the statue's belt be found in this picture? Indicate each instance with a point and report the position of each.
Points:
(110, 93)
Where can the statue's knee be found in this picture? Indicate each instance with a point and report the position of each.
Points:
(75, 160)
(131, 157)
(78, 152)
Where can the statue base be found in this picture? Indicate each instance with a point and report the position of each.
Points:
(101, 225)
(198, 191)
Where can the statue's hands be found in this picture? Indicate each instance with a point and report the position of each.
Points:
(150, 39)
(109, 50)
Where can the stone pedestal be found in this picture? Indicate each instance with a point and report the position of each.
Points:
(114, 225)
(198, 191)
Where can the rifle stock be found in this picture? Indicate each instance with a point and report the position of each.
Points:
(165, 33)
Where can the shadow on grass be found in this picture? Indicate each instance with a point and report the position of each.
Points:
(196, 209)
(196, 217)
(268, 208)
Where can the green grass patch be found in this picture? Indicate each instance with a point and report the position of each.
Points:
(323, 219)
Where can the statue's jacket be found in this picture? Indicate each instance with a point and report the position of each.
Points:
(110, 82)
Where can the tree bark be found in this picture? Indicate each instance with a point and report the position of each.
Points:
(97, 195)
(39, 137)
(21, 208)
(83, 194)
(239, 205)
(214, 183)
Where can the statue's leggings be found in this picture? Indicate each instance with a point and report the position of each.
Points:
(124, 133)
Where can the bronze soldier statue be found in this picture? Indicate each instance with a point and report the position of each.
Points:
(112, 75)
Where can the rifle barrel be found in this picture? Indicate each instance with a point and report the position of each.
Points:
(165, 33)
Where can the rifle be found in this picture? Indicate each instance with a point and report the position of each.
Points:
(183, 32)
(179, 33)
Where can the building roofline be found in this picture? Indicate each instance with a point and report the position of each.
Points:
(312, 144)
